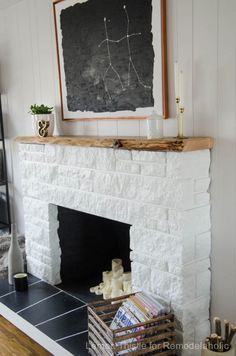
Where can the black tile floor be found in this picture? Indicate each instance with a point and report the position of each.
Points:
(60, 314)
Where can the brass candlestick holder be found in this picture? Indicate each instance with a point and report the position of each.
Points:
(180, 116)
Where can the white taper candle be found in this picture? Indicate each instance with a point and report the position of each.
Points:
(181, 88)
(176, 69)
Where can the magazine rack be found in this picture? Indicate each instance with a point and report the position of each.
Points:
(154, 337)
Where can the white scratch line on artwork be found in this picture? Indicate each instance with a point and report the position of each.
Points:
(131, 63)
(107, 40)
(110, 67)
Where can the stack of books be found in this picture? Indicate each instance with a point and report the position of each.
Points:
(138, 308)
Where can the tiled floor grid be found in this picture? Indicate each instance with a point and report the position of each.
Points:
(55, 312)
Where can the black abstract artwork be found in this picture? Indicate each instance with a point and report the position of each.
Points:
(108, 55)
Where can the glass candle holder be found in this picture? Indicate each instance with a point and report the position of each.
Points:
(154, 126)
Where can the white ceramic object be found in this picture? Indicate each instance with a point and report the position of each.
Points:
(15, 256)
(154, 126)
(206, 352)
(45, 117)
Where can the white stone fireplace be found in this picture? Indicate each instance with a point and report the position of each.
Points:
(163, 195)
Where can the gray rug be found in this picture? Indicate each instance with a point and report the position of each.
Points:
(5, 240)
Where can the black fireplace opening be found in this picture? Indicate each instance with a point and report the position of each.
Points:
(88, 244)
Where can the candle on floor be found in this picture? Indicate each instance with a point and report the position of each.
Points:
(21, 282)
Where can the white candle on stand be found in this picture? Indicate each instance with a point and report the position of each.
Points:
(181, 88)
(176, 69)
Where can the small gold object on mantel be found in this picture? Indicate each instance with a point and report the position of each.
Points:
(180, 116)
(43, 126)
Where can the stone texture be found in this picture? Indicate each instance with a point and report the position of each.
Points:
(189, 165)
(146, 156)
(164, 196)
(152, 169)
(128, 167)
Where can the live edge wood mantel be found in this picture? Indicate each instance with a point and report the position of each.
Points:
(167, 144)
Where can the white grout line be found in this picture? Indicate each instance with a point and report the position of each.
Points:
(58, 316)
(67, 337)
(13, 291)
(35, 334)
(40, 301)
(71, 295)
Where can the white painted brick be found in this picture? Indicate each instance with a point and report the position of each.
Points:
(188, 164)
(189, 288)
(192, 338)
(172, 193)
(189, 248)
(147, 156)
(76, 172)
(128, 167)
(192, 313)
(195, 267)
(154, 243)
(39, 171)
(149, 216)
(201, 199)
(75, 183)
(202, 330)
(148, 261)
(53, 153)
(36, 255)
(190, 222)
(39, 209)
(36, 233)
(152, 169)
(203, 245)
(31, 148)
(156, 224)
(105, 159)
(140, 275)
(32, 156)
(203, 281)
(44, 272)
(167, 285)
(22, 147)
(201, 185)
(117, 185)
(43, 250)
(123, 155)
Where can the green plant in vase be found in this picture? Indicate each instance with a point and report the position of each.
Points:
(43, 119)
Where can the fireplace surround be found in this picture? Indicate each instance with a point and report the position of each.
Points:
(162, 195)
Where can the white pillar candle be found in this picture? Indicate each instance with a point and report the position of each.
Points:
(107, 295)
(117, 283)
(119, 272)
(127, 287)
(176, 70)
(127, 276)
(106, 276)
(116, 293)
(116, 263)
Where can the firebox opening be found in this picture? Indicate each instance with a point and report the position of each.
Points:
(88, 244)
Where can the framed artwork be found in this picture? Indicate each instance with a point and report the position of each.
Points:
(111, 58)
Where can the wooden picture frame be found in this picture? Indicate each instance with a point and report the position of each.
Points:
(159, 89)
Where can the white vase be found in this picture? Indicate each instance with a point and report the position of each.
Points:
(45, 117)
(207, 352)
(15, 256)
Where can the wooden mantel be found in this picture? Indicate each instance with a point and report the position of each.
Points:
(171, 144)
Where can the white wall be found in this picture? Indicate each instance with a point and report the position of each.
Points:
(201, 36)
